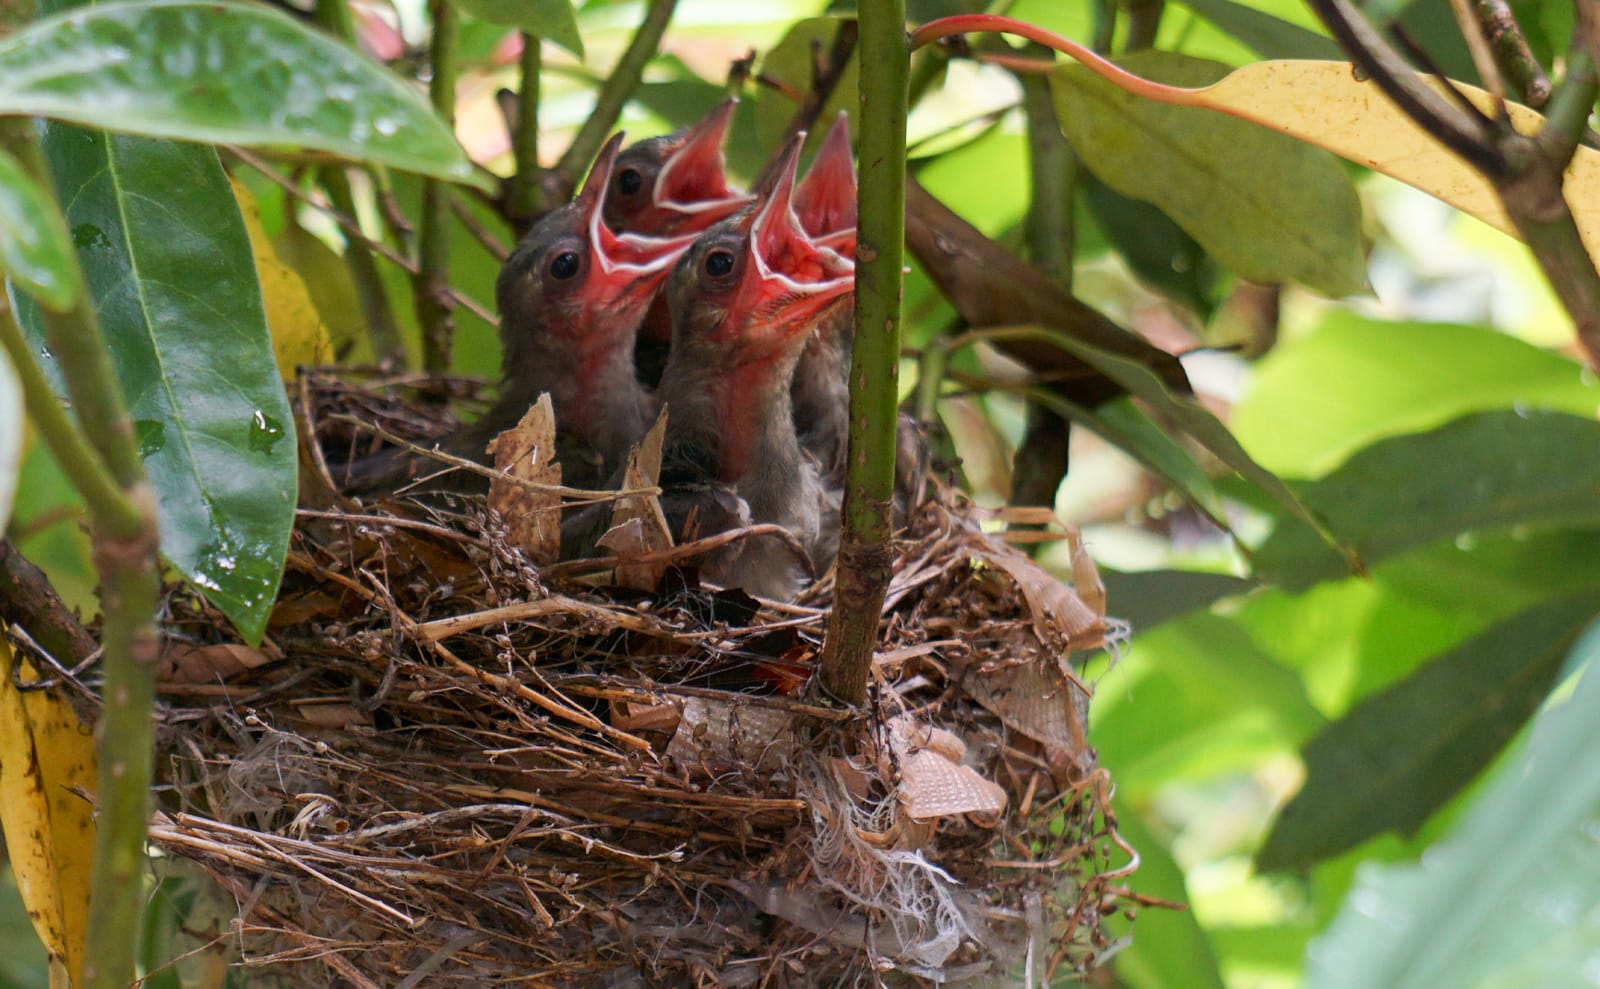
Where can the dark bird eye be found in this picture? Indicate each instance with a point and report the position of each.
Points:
(564, 266)
(629, 181)
(719, 263)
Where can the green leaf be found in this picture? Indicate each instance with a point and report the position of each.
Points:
(173, 279)
(1169, 949)
(1183, 412)
(1269, 207)
(552, 20)
(1146, 598)
(1483, 471)
(10, 436)
(1155, 248)
(1194, 697)
(35, 251)
(1387, 10)
(1124, 424)
(1492, 575)
(791, 61)
(1317, 399)
(221, 73)
(1271, 37)
(1399, 755)
(1511, 897)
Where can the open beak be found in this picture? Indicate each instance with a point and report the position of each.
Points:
(625, 267)
(825, 200)
(791, 276)
(694, 180)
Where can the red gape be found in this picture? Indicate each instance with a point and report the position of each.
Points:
(744, 299)
(675, 184)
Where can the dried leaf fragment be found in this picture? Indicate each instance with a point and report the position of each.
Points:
(527, 452)
(638, 525)
(933, 783)
(183, 663)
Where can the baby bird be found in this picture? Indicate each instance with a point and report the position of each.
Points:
(743, 301)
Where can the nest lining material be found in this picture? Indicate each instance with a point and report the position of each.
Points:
(444, 767)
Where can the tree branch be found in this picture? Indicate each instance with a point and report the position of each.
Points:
(1511, 52)
(334, 17)
(620, 85)
(524, 189)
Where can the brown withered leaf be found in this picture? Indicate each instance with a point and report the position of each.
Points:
(1038, 701)
(637, 523)
(332, 714)
(184, 663)
(933, 782)
(527, 452)
(1073, 616)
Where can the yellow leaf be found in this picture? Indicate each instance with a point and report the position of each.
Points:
(298, 334)
(1324, 104)
(46, 758)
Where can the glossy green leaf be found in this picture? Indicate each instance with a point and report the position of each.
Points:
(1483, 471)
(1318, 398)
(1271, 37)
(1169, 949)
(1495, 574)
(10, 435)
(1183, 412)
(1125, 425)
(156, 222)
(1387, 10)
(35, 251)
(1146, 598)
(552, 20)
(1511, 897)
(1269, 207)
(1155, 248)
(221, 73)
(1398, 756)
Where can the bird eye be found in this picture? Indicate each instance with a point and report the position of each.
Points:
(564, 266)
(629, 181)
(719, 263)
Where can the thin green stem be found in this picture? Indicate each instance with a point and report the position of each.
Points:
(130, 589)
(381, 327)
(431, 285)
(1533, 198)
(1105, 26)
(865, 558)
(334, 17)
(1144, 22)
(524, 193)
(74, 337)
(125, 544)
(1053, 169)
(1567, 112)
(619, 86)
(79, 461)
(1041, 459)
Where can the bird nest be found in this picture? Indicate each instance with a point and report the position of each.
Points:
(448, 765)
